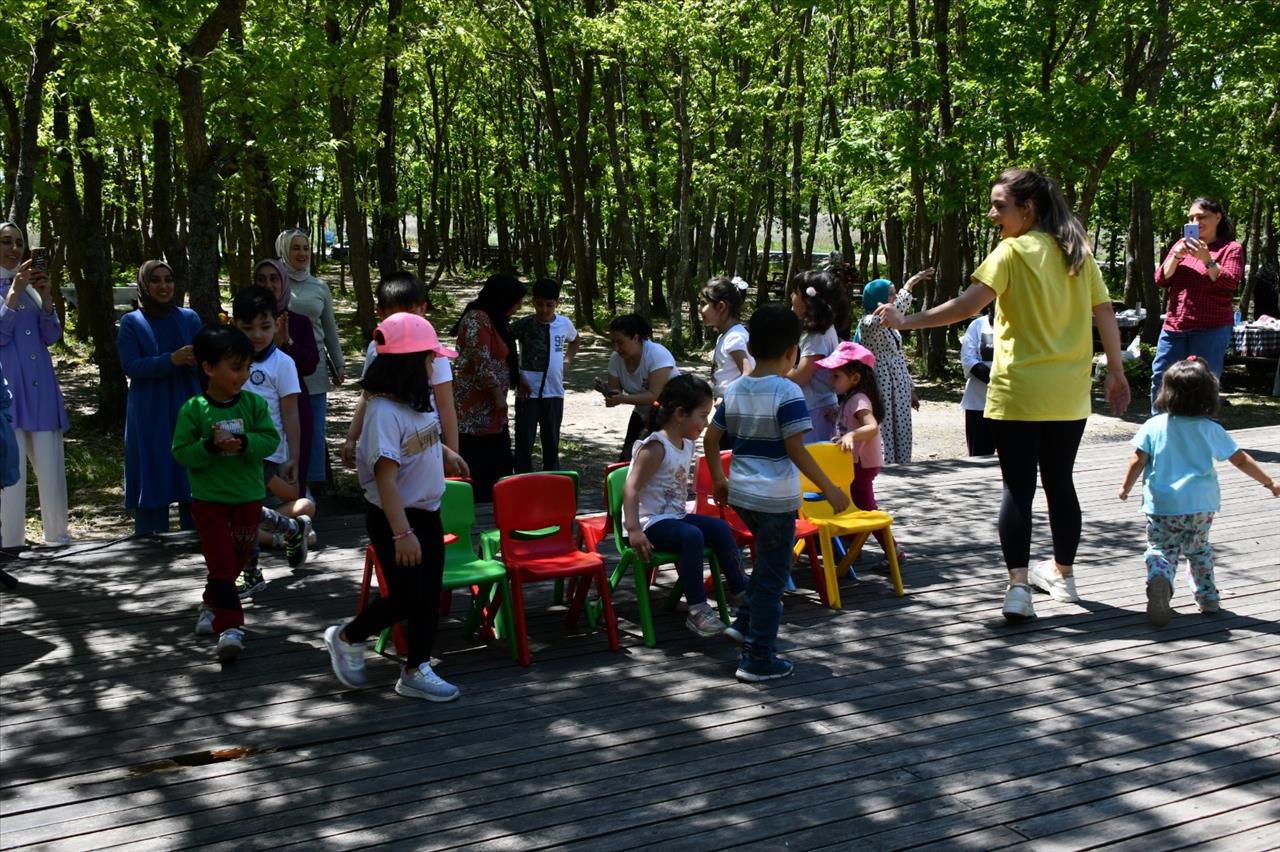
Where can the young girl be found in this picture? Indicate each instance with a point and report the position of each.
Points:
(1175, 452)
(857, 428)
(817, 299)
(721, 309)
(891, 364)
(653, 500)
(401, 462)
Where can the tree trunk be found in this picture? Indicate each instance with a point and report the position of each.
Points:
(386, 234)
(680, 280)
(166, 226)
(42, 59)
(1141, 258)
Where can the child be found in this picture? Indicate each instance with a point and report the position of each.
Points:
(857, 429)
(548, 343)
(721, 307)
(222, 437)
(977, 354)
(821, 305)
(767, 417)
(653, 501)
(401, 463)
(892, 373)
(1175, 452)
(400, 292)
(274, 377)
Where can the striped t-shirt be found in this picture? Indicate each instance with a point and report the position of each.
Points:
(760, 413)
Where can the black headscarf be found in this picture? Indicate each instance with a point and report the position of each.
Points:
(499, 293)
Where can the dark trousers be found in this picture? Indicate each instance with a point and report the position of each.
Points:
(228, 533)
(534, 414)
(977, 433)
(1050, 447)
(489, 459)
(414, 590)
(635, 427)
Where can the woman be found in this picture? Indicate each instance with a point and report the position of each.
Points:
(28, 327)
(156, 353)
(1046, 284)
(484, 371)
(1201, 276)
(311, 297)
(638, 371)
(294, 338)
(893, 376)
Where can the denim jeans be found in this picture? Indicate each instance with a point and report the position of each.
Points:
(532, 415)
(687, 536)
(316, 469)
(1173, 346)
(775, 534)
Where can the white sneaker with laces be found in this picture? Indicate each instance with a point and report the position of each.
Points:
(230, 644)
(1017, 603)
(704, 621)
(1044, 576)
(347, 658)
(204, 621)
(424, 683)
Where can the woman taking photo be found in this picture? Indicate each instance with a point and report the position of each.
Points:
(1047, 287)
(638, 371)
(1201, 275)
(156, 354)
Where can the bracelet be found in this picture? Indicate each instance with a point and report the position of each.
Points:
(403, 535)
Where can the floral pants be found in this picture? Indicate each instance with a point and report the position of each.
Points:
(1171, 535)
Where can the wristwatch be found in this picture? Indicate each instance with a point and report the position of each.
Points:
(1211, 264)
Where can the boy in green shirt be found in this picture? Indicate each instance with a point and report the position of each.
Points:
(221, 437)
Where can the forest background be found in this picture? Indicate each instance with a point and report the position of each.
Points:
(632, 148)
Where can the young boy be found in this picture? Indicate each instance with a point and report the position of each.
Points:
(767, 417)
(548, 342)
(274, 377)
(400, 293)
(222, 437)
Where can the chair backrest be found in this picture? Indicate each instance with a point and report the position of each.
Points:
(615, 481)
(572, 474)
(458, 513)
(608, 469)
(704, 492)
(535, 501)
(837, 465)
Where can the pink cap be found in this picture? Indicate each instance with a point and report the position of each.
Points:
(405, 333)
(848, 352)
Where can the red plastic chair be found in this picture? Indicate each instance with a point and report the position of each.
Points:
(534, 502)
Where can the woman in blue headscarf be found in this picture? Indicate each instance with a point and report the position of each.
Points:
(892, 374)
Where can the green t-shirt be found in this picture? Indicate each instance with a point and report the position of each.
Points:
(216, 476)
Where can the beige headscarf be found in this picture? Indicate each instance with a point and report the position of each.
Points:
(282, 249)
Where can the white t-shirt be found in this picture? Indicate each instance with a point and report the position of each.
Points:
(653, 356)
(977, 338)
(272, 378)
(562, 334)
(818, 393)
(664, 496)
(410, 438)
(725, 368)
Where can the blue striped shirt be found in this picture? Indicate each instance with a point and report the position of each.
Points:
(759, 413)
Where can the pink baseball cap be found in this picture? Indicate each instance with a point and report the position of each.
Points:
(405, 333)
(848, 352)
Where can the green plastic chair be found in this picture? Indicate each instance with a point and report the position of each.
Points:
(645, 572)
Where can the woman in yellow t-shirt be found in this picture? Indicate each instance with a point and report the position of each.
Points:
(1047, 285)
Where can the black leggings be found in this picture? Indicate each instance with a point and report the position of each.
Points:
(1050, 446)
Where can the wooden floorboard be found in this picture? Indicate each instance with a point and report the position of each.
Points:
(916, 721)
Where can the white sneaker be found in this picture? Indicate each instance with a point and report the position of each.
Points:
(230, 644)
(204, 621)
(1044, 576)
(1017, 603)
(704, 621)
(424, 683)
(347, 658)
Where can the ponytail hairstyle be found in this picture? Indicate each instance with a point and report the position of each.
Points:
(825, 302)
(686, 391)
(1052, 213)
(866, 384)
(1226, 230)
(731, 291)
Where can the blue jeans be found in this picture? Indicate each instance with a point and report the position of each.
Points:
(316, 467)
(775, 534)
(1173, 346)
(538, 413)
(156, 520)
(687, 536)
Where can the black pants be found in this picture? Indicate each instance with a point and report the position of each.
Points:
(635, 426)
(489, 459)
(1049, 446)
(536, 414)
(414, 590)
(977, 433)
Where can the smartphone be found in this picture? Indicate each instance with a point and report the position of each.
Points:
(1191, 231)
(39, 259)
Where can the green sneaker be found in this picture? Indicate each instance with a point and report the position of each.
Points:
(250, 582)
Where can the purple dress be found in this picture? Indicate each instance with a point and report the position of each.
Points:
(25, 337)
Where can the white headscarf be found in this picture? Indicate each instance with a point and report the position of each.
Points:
(7, 274)
(282, 249)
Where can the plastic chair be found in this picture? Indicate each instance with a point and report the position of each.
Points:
(539, 501)
(490, 543)
(645, 573)
(838, 466)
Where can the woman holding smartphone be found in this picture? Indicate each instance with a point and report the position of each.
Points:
(28, 327)
(1201, 273)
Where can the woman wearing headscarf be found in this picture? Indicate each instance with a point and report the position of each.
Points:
(28, 327)
(294, 338)
(155, 351)
(311, 297)
(486, 368)
(892, 373)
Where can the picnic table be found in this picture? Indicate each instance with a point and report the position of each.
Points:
(1254, 340)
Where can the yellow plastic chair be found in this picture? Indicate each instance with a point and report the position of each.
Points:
(838, 466)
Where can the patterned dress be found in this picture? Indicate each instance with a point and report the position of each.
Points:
(894, 379)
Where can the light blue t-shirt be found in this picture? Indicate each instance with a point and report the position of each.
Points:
(1179, 478)
(760, 413)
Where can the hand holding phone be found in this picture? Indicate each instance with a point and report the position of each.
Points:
(39, 260)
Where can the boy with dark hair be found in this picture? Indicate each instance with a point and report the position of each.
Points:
(222, 437)
(766, 415)
(548, 342)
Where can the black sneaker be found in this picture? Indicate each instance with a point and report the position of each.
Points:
(295, 543)
(250, 582)
(757, 669)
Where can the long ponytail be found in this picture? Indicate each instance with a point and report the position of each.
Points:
(1054, 216)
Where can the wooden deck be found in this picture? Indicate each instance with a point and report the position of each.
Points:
(924, 720)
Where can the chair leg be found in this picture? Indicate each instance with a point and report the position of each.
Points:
(717, 581)
(829, 570)
(640, 572)
(610, 619)
(894, 572)
(506, 614)
(815, 566)
(854, 551)
(577, 601)
(557, 594)
(519, 636)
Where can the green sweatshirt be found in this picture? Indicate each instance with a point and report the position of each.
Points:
(215, 476)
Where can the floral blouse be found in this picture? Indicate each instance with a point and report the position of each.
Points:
(481, 367)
